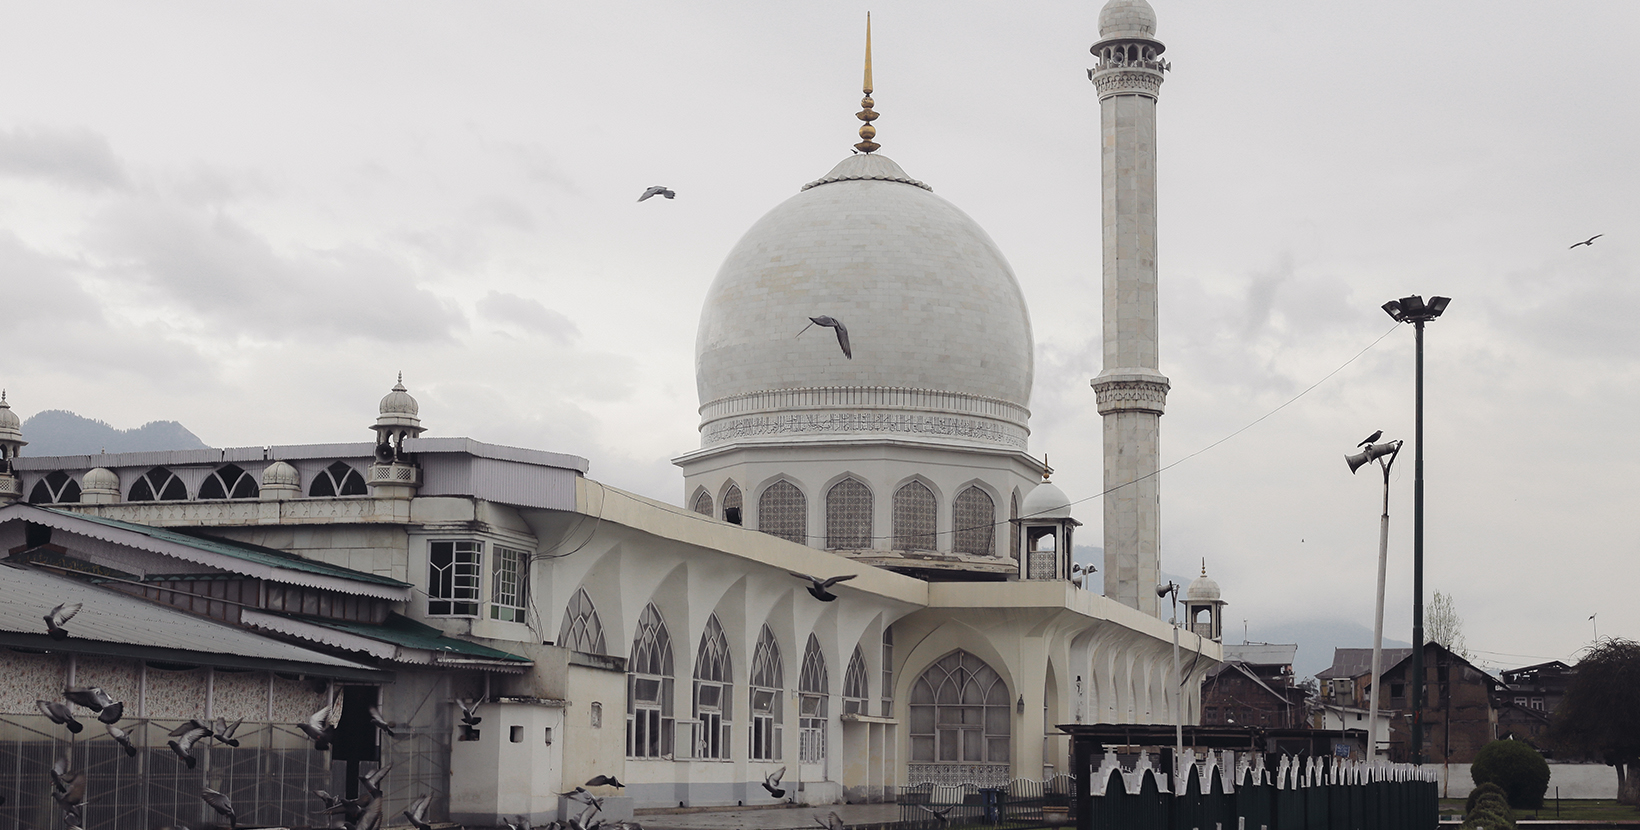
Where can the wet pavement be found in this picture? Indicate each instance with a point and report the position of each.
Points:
(769, 818)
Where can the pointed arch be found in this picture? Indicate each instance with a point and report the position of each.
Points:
(813, 687)
(915, 515)
(339, 479)
(855, 690)
(783, 511)
(733, 509)
(960, 713)
(714, 693)
(702, 503)
(1013, 525)
(767, 697)
(649, 719)
(158, 484)
(230, 481)
(974, 518)
(849, 511)
(582, 630)
(57, 487)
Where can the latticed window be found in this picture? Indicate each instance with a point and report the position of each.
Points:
(767, 695)
(338, 480)
(649, 689)
(714, 692)
(782, 511)
(453, 572)
(854, 684)
(230, 481)
(914, 516)
(703, 503)
(57, 487)
(158, 484)
(509, 585)
(960, 713)
(975, 517)
(732, 505)
(812, 697)
(848, 515)
(582, 630)
(1013, 526)
(888, 673)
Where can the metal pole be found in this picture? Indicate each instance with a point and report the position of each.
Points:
(1178, 694)
(1378, 624)
(1418, 559)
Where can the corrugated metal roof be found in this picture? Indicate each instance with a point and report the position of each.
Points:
(399, 639)
(252, 554)
(107, 616)
(403, 631)
(1262, 654)
(1354, 662)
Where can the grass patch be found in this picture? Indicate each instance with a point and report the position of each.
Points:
(1578, 809)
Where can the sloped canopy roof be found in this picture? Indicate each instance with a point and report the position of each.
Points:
(399, 639)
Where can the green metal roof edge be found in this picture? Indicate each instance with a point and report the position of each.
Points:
(103, 648)
(237, 550)
(401, 630)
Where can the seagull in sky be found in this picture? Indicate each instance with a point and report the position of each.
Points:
(1371, 438)
(832, 323)
(657, 190)
(1589, 241)
(817, 587)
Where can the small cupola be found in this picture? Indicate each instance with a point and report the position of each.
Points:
(1203, 608)
(395, 475)
(11, 443)
(1044, 528)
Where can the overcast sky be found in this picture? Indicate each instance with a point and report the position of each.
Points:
(248, 217)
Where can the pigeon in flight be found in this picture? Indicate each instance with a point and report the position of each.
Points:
(1589, 241)
(224, 731)
(771, 782)
(604, 781)
(122, 737)
(186, 738)
(657, 190)
(1371, 438)
(107, 708)
(58, 616)
(940, 815)
(832, 323)
(321, 725)
(817, 587)
(373, 781)
(380, 722)
(220, 804)
(59, 714)
(830, 822)
(417, 814)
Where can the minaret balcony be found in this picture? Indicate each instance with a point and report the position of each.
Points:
(394, 474)
(11, 487)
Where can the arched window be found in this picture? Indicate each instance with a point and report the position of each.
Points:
(1013, 528)
(812, 688)
(338, 480)
(848, 516)
(767, 697)
(713, 692)
(782, 511)
(854, 684)
(960, 713)
(703, 503)
(582, 630)
(229, 482)
(975, 517)
(732, 505)
(649, 688)
(158, 484)
(914, 513)
(57, 487)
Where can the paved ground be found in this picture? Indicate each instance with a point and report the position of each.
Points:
(775, 818)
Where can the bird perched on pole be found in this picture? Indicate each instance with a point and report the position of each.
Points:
(831, 323)
(1371, 438)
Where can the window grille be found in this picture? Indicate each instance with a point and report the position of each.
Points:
(767, 692)
(582, 630)
(649, 721)
(974, 516)
(848, 516)
(453, 572)
(714, 693)
(57, 487)
(914, 512)
(338, 480)
(813, 688)
(854, 684)
(509, 585)
(229, 481)
(960, 713)
(732, 505)
(782, 511)
(703, 503)
(158, 484)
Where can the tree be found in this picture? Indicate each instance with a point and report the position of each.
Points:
(1600, 715)
(1517, 768)
(1444, 626)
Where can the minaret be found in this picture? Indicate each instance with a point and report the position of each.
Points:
(1131, 391)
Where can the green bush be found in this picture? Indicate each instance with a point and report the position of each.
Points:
(1488, 815)
(1484, 789)
(1515, 767)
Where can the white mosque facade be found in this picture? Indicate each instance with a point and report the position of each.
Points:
(671, 646)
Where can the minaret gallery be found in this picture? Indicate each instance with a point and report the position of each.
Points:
(1130, 390)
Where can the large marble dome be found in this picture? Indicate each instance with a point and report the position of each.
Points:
(939, 334)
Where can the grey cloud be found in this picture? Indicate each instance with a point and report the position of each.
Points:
(529, 315)
(75, 157)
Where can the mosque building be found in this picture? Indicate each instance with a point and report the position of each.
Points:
(672, 646)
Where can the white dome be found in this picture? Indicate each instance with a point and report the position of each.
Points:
(280, 474)
(1127, 18)
(1202, 589)
(937, 324)
(100, 479)
(10, 427)
(398, 409)
(1046, 501)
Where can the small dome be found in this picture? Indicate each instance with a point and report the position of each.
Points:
(399, 402)
(1046, 501)
(280, 474)
(1127, 18)
(10, 427)
(102, 479)
(1202, 589)
(398, 414)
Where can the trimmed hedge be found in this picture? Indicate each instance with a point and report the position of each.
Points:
(1516, 768)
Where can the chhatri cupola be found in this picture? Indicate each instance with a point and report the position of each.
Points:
(864, 364)
(395, 474)
(11, 443)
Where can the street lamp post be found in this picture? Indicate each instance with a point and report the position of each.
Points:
(1385, 455)
(1414, 310)
(1178, 682)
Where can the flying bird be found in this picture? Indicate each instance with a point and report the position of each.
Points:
(373, 780)
(817, 587)
(183, 746)
(91, 697)
(417, 813)
(604, 781)
(57, 617)
(220, 804)
(771, 782)
(224, 731)
(940, 815)
(1371, 438)
(59, 714)
(67, 786)
(832, 323)
(122, 737)
(1589, 241)
(830, 822)
(371, 819)
(657, 190)
(321, 725)
(467, 710)
(380, 722)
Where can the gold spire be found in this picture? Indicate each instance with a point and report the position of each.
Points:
(867, 132)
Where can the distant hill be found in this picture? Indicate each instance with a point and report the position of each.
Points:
(60, 432)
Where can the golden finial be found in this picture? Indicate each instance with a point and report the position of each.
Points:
(867, 132)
